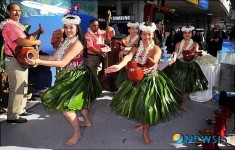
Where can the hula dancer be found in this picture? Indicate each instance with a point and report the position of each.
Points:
(184, 72)
(127, 43)
(155, 97)
(75, 86)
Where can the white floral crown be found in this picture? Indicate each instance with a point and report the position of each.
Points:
(145, 28)
(187, 28)
(67, 20)
(135, 24)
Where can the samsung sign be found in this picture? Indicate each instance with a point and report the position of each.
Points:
(123, 18)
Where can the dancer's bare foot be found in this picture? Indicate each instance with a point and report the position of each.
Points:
(137, 128)
(73, 140)
(147, 140)
(184, 109)
(85, 124)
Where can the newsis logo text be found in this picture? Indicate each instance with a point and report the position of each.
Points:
(179, 138)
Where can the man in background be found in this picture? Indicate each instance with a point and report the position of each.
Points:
(215, 40)
(14, 35)
(159, 31)
(95, 38)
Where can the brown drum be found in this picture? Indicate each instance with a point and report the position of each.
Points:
(134, 71)
(57, 38)
(188, 55)
(31, 53)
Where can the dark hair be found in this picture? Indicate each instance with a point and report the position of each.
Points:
(155, 39)
(79, 33)
(93, 20)
(157, 21)
(9, 6)
(81, 37)
(172, 30)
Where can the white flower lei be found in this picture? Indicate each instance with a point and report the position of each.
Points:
(3, 23)
(67, 42)
(68, 21)
(140, 50)
(93, 34)
(145, 28)
(132, 40)
(135, 25)
(182, 45)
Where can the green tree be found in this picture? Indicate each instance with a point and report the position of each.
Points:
(3, 5)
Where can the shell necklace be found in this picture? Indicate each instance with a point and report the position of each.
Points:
(95, 36)
(11, 21)
(67, 42)
(138, 58)
(132, 40)
(182, 45)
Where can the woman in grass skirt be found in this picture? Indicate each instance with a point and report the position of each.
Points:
(186, 75)
(128, 42)
(75, 86)
(153, 99)
(131, 39)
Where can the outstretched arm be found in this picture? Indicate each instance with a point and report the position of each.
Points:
(123, 63)
(48, 57)
(175, 54)
(196, 47)
(72, 52)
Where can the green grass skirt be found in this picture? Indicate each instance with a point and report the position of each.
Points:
(187, 76)
(74, 89)
(122, 76)
(155, 98)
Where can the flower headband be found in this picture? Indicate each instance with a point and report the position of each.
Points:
(187, 28)
(71, 19)
(131, 24)
(145, 28)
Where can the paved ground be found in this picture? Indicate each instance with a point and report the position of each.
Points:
(49, 130)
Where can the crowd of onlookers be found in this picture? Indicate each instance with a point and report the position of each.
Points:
(210, 41)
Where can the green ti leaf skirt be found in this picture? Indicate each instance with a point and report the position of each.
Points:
(155, 98)
(74, 89)
(187, 76)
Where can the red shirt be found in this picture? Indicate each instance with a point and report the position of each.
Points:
(95, 40)
(11, 31)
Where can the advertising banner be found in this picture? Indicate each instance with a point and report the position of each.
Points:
(50, 12)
